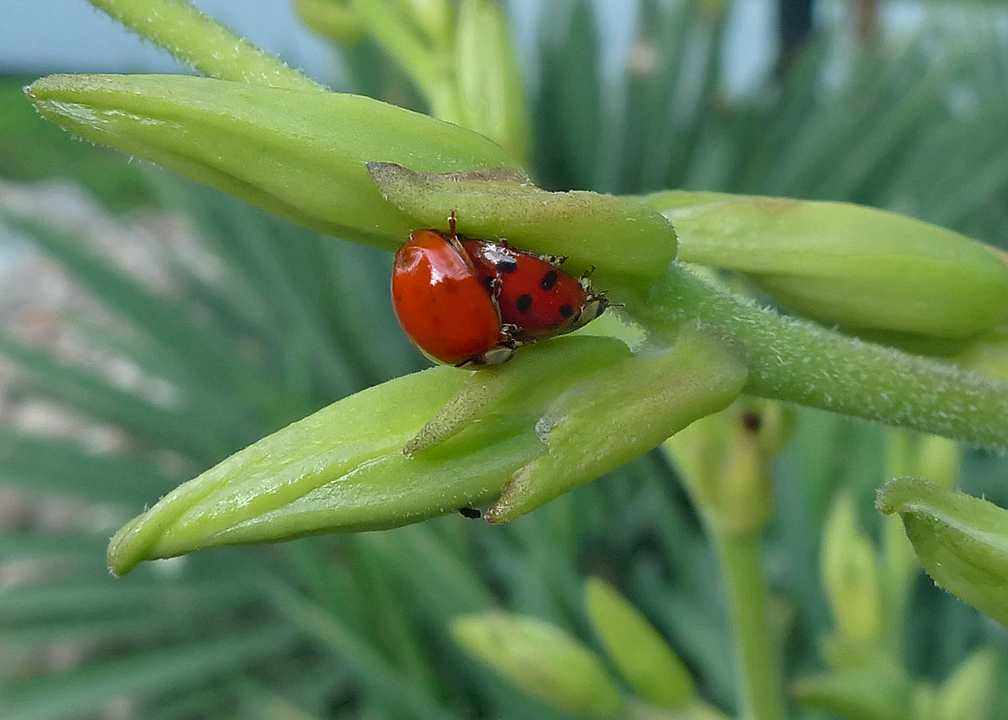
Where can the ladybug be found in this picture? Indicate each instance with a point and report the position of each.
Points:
(443, 306)
(535, 297)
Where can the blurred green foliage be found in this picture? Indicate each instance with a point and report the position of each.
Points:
(33, 151)
(287, 321)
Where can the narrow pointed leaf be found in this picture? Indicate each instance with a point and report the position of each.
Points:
(375, 672)
(89, 687)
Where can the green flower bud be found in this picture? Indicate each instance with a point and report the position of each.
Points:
(618, 413)
(850, 574)
(628, 243)
(332, 18)
(489, 76)
(969, 693)
(697, 710)
(434, 17)
(343, 468)
(301, 155)
(961, 540)
(932, 457)
(908, 453)
(872, 272)
(725, 460)
(394, 26)
(507, 385)
(543, 660)
(640, 654)
(989, 355)
(867, 693)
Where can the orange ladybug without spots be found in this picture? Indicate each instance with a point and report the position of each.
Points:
(442, 305)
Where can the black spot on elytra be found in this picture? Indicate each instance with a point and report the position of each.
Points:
(506, 265)
(524, 302)
(566, 311)
(548, 280)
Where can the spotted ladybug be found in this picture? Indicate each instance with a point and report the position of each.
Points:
(443, 306)
(468, 302)
(535, 297)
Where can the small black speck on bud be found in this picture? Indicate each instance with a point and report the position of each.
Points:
(752, 421)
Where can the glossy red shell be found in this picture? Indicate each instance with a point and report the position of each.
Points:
(440, 300)
(535, 296)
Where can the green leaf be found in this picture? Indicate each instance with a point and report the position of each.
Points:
(44, 465)
(166, 322)
(569, 124)
(175, 427)
(962, 541)
(373, 670)
(87, 688)
(299, 154)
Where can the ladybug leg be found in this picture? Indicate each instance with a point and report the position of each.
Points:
(595, 305)
(509, 335)
(496, 355)
(495, 286)
(452, 239)
(499, 353)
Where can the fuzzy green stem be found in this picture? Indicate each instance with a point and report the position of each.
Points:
(796, 361)
(759, 667)
(203, 43)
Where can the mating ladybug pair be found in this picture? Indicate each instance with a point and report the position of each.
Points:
(469, 302)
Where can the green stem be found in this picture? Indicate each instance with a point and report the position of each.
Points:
(200, 41)
(796, 361)
(759, 667)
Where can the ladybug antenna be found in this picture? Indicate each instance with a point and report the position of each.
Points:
(451, 224)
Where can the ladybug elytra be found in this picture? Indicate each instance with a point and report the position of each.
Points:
(535, 296)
